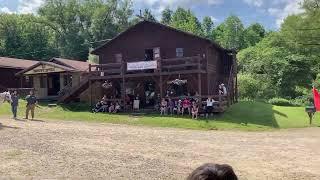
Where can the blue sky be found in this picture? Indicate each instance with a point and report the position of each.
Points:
(270, 13)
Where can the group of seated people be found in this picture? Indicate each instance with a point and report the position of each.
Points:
(190, 106)
(105, 106)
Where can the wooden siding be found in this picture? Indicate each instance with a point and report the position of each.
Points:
(133, 43)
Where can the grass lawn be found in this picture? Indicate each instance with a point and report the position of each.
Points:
(250, 116)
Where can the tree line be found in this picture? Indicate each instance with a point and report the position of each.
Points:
(281, 63)
(285, 63)
(69, 28)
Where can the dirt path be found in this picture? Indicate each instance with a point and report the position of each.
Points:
(58, 149)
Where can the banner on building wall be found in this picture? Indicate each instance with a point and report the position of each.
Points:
(141, 65)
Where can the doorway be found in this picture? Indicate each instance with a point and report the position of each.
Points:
(148, 54)
(150, 94)
(53, 84)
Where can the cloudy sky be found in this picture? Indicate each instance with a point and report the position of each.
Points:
(270, 13)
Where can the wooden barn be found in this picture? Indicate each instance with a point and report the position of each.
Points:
(151, 60)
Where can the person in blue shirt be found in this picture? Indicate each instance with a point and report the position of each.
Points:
(14, 104)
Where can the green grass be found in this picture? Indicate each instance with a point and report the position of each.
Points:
(249, 116)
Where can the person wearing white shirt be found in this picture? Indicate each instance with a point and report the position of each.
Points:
(209, 106)
(224, 89)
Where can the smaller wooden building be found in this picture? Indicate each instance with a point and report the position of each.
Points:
(8, 68)
(53, 79)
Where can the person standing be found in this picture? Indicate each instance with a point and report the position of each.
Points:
(224, 89)
(31, 104)
(14, 104)
(209, 107)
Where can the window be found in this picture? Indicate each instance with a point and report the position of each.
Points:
(118, 58)
(28, 82)
(179, 52)
(67, 80)
(43, 81)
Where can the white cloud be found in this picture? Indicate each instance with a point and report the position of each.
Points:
(290, 7)
(5, 10)
(215, 20)
(158, 5)
(175, 3)
(257, 3)
(29, 6)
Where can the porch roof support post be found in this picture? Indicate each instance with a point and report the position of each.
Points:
(123, 89)
(161, 78)
(21, 81)
(199, 84)
(199, 77)
(90, 86)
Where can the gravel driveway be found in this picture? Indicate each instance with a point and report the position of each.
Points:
(79, 150)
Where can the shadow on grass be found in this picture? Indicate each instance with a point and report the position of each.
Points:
(242, 113)
(76, 107)
(257, 113)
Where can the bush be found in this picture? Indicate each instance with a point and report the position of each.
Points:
(280, 102)
(305, 100)
(248, 86)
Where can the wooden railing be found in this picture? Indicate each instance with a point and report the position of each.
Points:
(184, 64)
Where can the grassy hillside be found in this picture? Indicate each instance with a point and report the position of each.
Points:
(243, 116)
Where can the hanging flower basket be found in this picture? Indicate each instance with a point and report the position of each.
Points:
(107, 85)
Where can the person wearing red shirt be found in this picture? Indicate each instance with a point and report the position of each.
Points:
(186, 105)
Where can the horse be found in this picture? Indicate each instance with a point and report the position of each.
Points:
(5, 96)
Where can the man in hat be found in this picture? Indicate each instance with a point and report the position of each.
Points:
(31, 104)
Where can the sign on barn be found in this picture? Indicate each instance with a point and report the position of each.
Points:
(141, 65)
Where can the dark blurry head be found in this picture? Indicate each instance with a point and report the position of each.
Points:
(213, 172)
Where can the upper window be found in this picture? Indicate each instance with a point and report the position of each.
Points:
(118, 58)
(179, 52)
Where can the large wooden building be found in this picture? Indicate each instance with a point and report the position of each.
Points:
(152, 59)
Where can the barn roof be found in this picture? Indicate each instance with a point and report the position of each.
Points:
(162, 25)
(77, 65)
(14, 63)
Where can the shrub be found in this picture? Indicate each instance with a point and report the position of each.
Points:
(248, 86)
(280, 102)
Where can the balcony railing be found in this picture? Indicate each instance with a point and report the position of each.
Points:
(164, 66)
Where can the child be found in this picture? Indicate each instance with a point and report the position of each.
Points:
(117, 108)
(111, 108)
(179, 106)
(163, 108)
(171, 106)
(195, 111)
(186, 105)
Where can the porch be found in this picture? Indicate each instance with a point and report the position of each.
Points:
(159, 73)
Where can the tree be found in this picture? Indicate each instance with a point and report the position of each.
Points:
(22, 37)
(166, 16)
(186, 21)
(147, 15)
(253, 34)
(230, 33)
(76, 24)
(207, 27)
